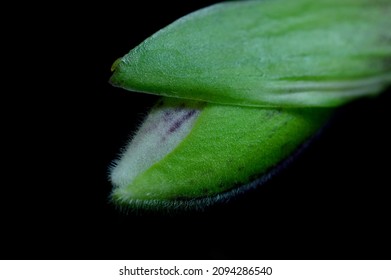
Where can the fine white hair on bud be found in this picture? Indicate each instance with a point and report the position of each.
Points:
(163, 129)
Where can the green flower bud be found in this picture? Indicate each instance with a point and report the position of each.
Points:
(246, 84)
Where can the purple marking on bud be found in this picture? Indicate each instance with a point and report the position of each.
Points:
(177, 124)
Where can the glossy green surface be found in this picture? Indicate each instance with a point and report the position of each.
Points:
(267, 53)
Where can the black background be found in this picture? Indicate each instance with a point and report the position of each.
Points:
(331, 203)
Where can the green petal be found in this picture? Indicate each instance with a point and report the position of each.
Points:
(267, 53)
(221, 148)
